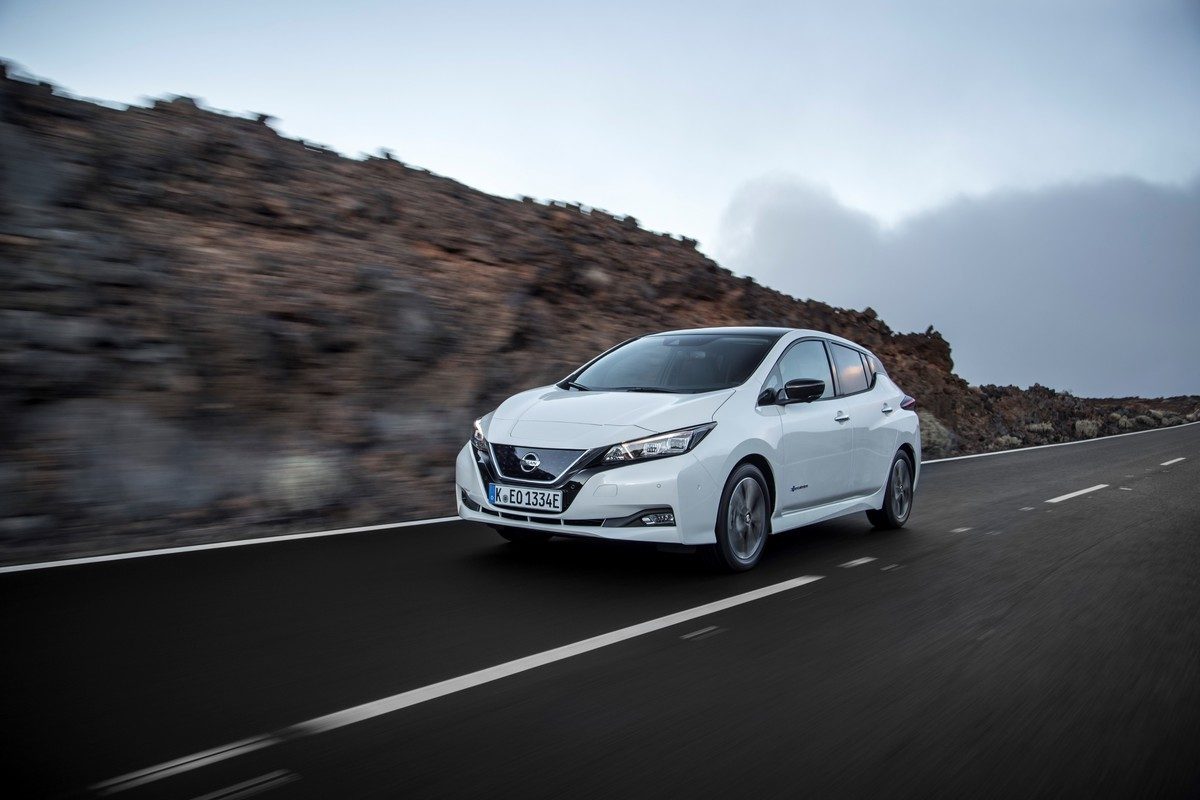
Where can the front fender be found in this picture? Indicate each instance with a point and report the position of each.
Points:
(729, 445)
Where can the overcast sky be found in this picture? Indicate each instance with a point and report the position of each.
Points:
(1002, 155)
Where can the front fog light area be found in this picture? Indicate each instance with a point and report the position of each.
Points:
(653, 517)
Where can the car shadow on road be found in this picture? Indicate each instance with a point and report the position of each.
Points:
(806, 550)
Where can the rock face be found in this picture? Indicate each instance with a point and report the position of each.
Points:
(207, 329)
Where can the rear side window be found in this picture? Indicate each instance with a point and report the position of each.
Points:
(852, 376)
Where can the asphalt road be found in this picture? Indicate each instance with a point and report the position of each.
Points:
(999, 646)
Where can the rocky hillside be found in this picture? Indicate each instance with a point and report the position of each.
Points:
(209, 330)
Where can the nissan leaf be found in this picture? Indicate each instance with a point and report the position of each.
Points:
(713, 438)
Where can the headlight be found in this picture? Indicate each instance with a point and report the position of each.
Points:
(658, 446)
(477, 437)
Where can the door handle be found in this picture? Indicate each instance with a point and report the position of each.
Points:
(841, 417)
(887, 409)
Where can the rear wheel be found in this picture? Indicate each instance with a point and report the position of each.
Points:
(743, 520)
(520, 536)
(897, 497)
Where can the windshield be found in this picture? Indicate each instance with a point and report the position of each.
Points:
(685, 363)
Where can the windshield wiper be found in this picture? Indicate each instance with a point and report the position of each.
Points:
(644, 389)
(574, 385)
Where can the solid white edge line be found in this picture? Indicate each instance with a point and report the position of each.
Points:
(1056, 444)
(1172, 461)
(1062, 497)
(396, 702)
(193, 548)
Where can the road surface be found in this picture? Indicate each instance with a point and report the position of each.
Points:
(1001, 645)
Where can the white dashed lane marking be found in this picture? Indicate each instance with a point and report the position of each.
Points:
(1172, 461)
(704, 633)
(858, 562)
(253, 786)
(1062, 497)
(699, 632)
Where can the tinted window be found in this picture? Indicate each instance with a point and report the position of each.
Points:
(852, 376)
(686, 363)
(802, 360)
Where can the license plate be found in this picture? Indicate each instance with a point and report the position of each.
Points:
(521, 497)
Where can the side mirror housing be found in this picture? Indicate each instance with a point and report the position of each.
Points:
(801, 390)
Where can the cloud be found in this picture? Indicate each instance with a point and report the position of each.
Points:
(1091, 287)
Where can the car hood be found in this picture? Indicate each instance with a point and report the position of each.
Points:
(553, 417)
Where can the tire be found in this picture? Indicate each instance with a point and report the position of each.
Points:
(897, 497)
(522, 537)
(743, 521)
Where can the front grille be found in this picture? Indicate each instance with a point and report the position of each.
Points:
(552, 462)
(488, 474)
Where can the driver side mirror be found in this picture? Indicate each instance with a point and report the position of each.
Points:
(801, 390)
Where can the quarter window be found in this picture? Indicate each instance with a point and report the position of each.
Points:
(852, 377)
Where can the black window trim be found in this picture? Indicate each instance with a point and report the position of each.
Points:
(868, 369)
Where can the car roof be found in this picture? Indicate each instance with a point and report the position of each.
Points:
(750, 329)
(746, 330)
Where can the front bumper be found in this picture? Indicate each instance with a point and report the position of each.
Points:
(605, 498)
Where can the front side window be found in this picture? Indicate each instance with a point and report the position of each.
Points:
(685, 363)
(804, 359)
(852, 376)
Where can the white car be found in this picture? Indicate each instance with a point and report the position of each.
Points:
(713, 438)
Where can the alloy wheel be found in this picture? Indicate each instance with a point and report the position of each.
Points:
(746, 519)
(902, 489)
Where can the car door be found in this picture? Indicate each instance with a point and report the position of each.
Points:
(865, 401)
(816, 448)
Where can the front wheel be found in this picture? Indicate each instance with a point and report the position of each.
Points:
(520, 536)
(897, 497)
(743, 520)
